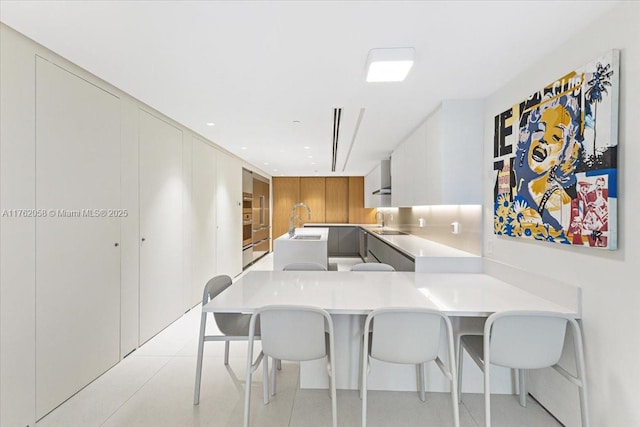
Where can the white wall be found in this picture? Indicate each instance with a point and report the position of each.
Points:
(18, 235)
(609, 279)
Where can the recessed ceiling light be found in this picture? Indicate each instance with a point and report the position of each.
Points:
(275, 170)
(389, 65)
(211, 124)
(313, 163)
(243, 148)
(266, 163)
(306, 147)
(309, 157)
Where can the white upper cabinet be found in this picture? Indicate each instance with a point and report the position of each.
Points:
(408, 170)
(440, 163)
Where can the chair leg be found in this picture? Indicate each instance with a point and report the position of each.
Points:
(247, 388)
(421, 379)
(226, 352)
(459, 357)
(265, 379)
(453, 378)
(332, 386)
(360, 371)
(274, 364)
(203, 326)
(523, 388)
(581, 371)
(487, 398)
(363, 392)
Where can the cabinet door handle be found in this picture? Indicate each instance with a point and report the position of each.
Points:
(117, 244)
(143, 239)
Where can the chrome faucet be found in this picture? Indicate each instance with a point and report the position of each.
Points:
(293, 216)
(381, 213)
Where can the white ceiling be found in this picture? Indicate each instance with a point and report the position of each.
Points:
(253, 68)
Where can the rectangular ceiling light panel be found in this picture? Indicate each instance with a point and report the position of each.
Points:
(389, 64)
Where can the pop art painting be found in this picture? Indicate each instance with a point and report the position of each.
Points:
(555, 160)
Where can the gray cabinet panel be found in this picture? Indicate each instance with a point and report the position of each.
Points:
(333, 245)
(348, 240)
(382, 252)
(342, 241)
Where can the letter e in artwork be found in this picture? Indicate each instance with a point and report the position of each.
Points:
(503, 129)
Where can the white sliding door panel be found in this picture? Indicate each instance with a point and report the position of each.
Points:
(77, 255)
(203, 199)
(161, 195)
(229, 210)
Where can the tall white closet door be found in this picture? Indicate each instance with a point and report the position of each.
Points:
(229, 209)
(77, 255)
(203, 200)
(161, 193)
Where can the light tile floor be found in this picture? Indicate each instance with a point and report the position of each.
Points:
(154, 387)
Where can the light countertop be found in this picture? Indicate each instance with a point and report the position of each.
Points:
(421, 250)
(346, 292)
(323, 232)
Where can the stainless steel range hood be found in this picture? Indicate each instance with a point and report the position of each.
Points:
(385, 179)
(382, 191)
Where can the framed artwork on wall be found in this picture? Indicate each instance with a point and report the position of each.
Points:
(555, 160)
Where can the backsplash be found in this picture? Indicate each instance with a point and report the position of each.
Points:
(437, 224)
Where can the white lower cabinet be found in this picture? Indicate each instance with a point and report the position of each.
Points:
(161, 224)
(77, 250)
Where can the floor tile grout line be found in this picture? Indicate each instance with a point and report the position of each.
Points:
(293, 401)
(462, 404)
(137, 391)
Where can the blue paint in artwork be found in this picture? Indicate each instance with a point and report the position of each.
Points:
(612, 186)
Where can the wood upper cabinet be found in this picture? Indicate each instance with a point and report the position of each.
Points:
(337, 198)
(312, 192)
(331, 200)
(286, 193)
(358, 214)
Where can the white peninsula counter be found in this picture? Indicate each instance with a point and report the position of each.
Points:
(349, 296)
(306, 245)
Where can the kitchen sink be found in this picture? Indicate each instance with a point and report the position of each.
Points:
(390, 232)
(307, 237)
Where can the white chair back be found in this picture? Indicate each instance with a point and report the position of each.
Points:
(526, 341)
(372, 266)
(292, 333)
(406, 336)
(304, 266)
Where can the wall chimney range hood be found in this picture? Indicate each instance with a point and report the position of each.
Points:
(385, 179)
(382, 191)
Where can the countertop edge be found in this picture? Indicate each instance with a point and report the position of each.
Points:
(395, 245)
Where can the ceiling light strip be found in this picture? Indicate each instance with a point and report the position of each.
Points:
(353, 138)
